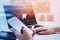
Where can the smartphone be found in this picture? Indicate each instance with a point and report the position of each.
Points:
(17, 24)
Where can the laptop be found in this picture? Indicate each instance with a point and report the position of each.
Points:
(26, 15)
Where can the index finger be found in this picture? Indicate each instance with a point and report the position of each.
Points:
(40, 29)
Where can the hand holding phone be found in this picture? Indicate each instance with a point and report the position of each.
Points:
(17, 24)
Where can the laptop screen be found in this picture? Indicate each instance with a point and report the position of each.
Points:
(23, 13)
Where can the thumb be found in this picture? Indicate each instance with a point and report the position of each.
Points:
(25, 31)
(26, 34)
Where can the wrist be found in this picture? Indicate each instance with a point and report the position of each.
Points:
(56, 29)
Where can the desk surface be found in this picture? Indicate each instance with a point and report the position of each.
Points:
(47, 37)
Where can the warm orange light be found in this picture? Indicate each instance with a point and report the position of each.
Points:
(42, 18)
(43, 7)
(50, 18)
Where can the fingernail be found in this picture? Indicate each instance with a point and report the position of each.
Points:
(22, 27)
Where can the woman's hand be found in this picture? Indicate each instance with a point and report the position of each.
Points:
(45, 30)
(25, 36)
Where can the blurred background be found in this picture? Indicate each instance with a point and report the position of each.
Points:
(47, 13)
